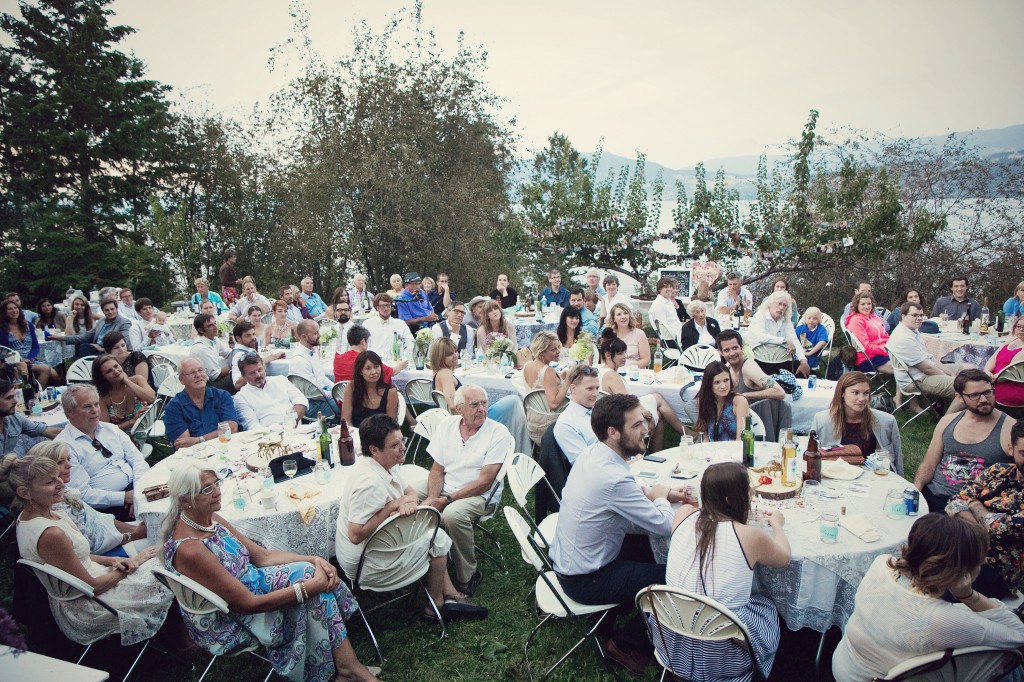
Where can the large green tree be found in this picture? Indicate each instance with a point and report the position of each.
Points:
(84, 143)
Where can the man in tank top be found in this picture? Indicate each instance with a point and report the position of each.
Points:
(747, 377)
(964, 443)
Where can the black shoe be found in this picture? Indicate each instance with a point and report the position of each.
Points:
(453, 609)
(469, 588)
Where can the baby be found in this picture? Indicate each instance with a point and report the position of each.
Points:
(164, 335)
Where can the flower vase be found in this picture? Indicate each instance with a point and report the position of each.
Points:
(418, 359)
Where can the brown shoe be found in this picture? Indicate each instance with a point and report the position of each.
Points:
(632, 661)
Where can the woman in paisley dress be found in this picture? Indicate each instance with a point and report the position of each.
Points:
(294, 605)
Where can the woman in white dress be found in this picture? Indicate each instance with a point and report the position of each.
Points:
(638, 351)
(539, 374)
(49, 537)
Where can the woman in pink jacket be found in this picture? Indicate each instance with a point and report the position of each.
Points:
(868, 331)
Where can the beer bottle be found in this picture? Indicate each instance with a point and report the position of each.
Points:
(812, 456)
(346, 447)
(790, 469)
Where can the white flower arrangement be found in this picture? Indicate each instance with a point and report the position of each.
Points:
(501, 347)
(424, 338)
(583, 349)
(328, 333)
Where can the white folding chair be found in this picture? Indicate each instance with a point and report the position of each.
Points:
(523, 474)
(140, 431)
(698, 357)
(417, 394)
(327, 322)
(976, 663)
(162, 367)
(424, 429)
(438, 398)
(200, 601)
(537, 401)
(62, 586)
(80, 371)
(669, 354)
(310, 391)
(268, 317)
(691, 615)
(490, 508)
(911, 390)
(338, 391)
(552, 601)
(170, 387)
(757, 425)
(771, 354)
(830, 326)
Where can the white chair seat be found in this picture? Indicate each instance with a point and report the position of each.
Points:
(159, 430)
(548, 602)
(546, 529)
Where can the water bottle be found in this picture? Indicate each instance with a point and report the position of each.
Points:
(658, 360)
(479, 357)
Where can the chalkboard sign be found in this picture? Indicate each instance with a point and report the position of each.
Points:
(681, 275)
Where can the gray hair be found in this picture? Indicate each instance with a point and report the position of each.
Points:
(733, 275)
(183, 486)
(69, 399)
(202, 280)
(775, 297)
(460, 393)
(181, 367)
(695, 305)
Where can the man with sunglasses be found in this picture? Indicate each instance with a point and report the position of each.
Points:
(965, 443)
(573, 431)
(104, 462)
(454, 328)
(14, 425)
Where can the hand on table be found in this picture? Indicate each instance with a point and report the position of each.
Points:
(776, 520)
(657, 491)
(681, 495)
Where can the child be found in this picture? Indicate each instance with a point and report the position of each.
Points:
(164, 336)
(842, 363)
(813, 336)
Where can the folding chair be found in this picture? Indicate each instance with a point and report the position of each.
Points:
(972, 663)
(425, 425)
(170, 387)
(669, 354)
(911, 390)
(757, 425)
(327, 322)
(1011, 374)
(62, 586)
(162, 367)
(689, 615)
(698, 357)
(771, 354)
(830, 326)
(872, 376)
(417, 392)
(199, 601)
(537, 401)
(80, 371)
(490, 508)
(523, 474)
(552, 601)
(440, 401)
(310, 391)
(338, 391)
(143, 426)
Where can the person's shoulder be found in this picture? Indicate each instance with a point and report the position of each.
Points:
(883, 417)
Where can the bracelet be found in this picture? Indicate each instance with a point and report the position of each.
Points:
(967, 598)
(298, 593)
(305, 595)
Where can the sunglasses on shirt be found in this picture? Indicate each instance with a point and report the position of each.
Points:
(101, 448)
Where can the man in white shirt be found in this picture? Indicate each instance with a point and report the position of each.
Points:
(211, 352)
(249, 298)
(264, 400)
(665, 310)
(246, 342)
(126, 308)
(933, 377)
(453, 327)
(772, 326)
(140, 335)
(468, 451)
(733, 294)
(383, 327)
(573, 431)
(305, 362)
(104, 462)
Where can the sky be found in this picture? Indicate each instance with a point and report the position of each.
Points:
(681, 81)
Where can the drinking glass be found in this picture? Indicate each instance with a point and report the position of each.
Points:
(268, 480)
(894, 506)
(291, 467)
(810, 493)
(686, 447)
(321, 473)
(224, 432)
(881, 458)
(828, 527)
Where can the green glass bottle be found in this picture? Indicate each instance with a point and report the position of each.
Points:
(748, 443)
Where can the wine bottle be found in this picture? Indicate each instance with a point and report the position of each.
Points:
(748, 443)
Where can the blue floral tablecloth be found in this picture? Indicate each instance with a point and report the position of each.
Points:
(527, 329)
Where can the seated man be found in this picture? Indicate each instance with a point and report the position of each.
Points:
(573, 431)
(468, 450)
(965, 443)
(588, 320)
(734, 295)
(765, 396)
(246, 342)
(455, 328)
(594, 282)
(668, 311)
(995, 499)
(315, 305)
(601, 503)
(127, 308)
(104, 462)
(863, 287)
(305, 362)
(441, 296)
(413, 307)
(249, 298)
(359, 296)
(265, 401)
(191, 417)
(383, 327)
(554, 293)
(211, 352)
(958, 303)
(93, 338)
(141, 335)
(358, 341)
(772, 325)
(372, 493)
(932, 376)
(15, 427)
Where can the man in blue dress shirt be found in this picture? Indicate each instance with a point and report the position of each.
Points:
(573, 431)
(588, 320)
(555, 292)
(413, 307)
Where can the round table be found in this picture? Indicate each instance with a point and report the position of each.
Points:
(958, 347)
(280, 527)
(817, 589)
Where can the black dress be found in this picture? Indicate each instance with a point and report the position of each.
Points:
(361, 412)
(508, 301)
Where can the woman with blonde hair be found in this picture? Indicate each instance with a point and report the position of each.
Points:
(620, 320)
(539, 374)
(494, 324)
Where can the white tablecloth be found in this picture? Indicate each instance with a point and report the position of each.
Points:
(817, 589)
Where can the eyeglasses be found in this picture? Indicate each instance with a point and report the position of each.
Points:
(588, 371)
(101, 448)
(456, 311)
(980, 394)
(193, 373)
(209, 489)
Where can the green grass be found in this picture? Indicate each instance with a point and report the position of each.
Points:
(483, 650)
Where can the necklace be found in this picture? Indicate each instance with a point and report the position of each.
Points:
(192, 524)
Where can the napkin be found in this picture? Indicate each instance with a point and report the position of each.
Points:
(839, 469)
(304, 502)
(861, 527)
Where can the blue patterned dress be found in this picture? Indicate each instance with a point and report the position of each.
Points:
(299, 639)
(724, 429)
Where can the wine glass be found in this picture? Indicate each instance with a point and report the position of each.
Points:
(291, 467)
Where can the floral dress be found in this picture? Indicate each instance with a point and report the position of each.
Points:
(299, 639)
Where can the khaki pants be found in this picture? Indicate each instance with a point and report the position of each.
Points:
(941, 385)
(457, 520)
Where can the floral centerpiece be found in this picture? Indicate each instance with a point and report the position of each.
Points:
(501, 347)
(328, 333)
(583, 349)
(225, 328)
(422, 341)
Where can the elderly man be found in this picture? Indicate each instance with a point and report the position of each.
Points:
(191, 417)
(305, 363)
(246, 342)
(413, 307)
(455, 329)
(588, 320)
(92, 340)
(249, 298)
(733, 295)
(555, 293)
(265, 401)
(965, 443)
(359, 296)
(468, 450)
(573, 431)
(373, 492)
(211, 352)
(383, 327)
(772, 326)
(203, 293)
(602, 502)
(14, 425)
(504, 294)
(315, 305)
(957, 304)
(995, 500)
(104, 462)
(932, 376)
(126, 308)
(594, 282)
(667, 310)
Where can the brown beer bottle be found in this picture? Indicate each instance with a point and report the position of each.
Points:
(812, 456)
(346, 446)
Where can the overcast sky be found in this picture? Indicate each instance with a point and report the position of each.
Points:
(683, 81)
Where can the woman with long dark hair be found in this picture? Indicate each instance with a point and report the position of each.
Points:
(568, 327)
(340, 295)
(18, 335)
(49, 317)
(367, 394)
(911, 295)
(123, 398)
(721, 411)
(714, 552)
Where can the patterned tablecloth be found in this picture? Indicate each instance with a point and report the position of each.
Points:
(817, 589)
(956, 347)
(527, 327)
(53, 353)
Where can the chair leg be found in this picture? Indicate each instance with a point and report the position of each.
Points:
(136, 661)
(440, 618)
(526, 645)
(208, 666)
(82, 657)
(498, 561)
(578, 644)
(817, 657)
(269, 675)
(373, 637)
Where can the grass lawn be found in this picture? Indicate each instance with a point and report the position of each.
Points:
(484, 650)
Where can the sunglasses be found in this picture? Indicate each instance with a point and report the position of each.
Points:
(102, 449)
(588, 371)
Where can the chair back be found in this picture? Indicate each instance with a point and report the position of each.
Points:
(419, 390)
(268, 317)
(757, 425)
(522, 474)
(59, 584)
(143, 425)
(338, 391)
(698, 357)
(771, 353)
(80, 370)
(400, 414)
(1012, 373)
(537, 401)
(440, 401)
(162, 367)
(170, 387)
(829, 324)
(900, 367)
(428, 421)
(527, 545)
(191, 596)
(398, 535)
(670, 354)
(327, 322)
(968, 663)
(306, 387)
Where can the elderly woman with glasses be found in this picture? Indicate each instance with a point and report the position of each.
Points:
(294, 605)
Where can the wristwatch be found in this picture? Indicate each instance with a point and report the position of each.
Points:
(448, 497)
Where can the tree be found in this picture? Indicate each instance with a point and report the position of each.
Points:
(84, 143)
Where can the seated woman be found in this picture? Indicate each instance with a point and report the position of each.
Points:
(49, 536)
(396, 285)
(1014, 306)
(134, 363)
(899, 611)
(255, 315)
(340, 296)
(721, 411)
(910, 295)
(539, 374)
(78, 322)
(49, 319)
(813, 336)
(444, 358)
(294, 605)
(494, 324)
(279, 333)
(106, 535)
(123, 399)
(18, 335)
(699, 329)
(612, 351)
(620, 320)
(1008, 392)
(850, 427)
(367, 393)
(869, 330)
(714, 552)
(568, 330)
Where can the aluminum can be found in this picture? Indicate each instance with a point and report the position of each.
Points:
(812, 381)
(912, 501)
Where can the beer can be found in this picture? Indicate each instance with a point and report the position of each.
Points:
(812, 381)
(912, 501)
